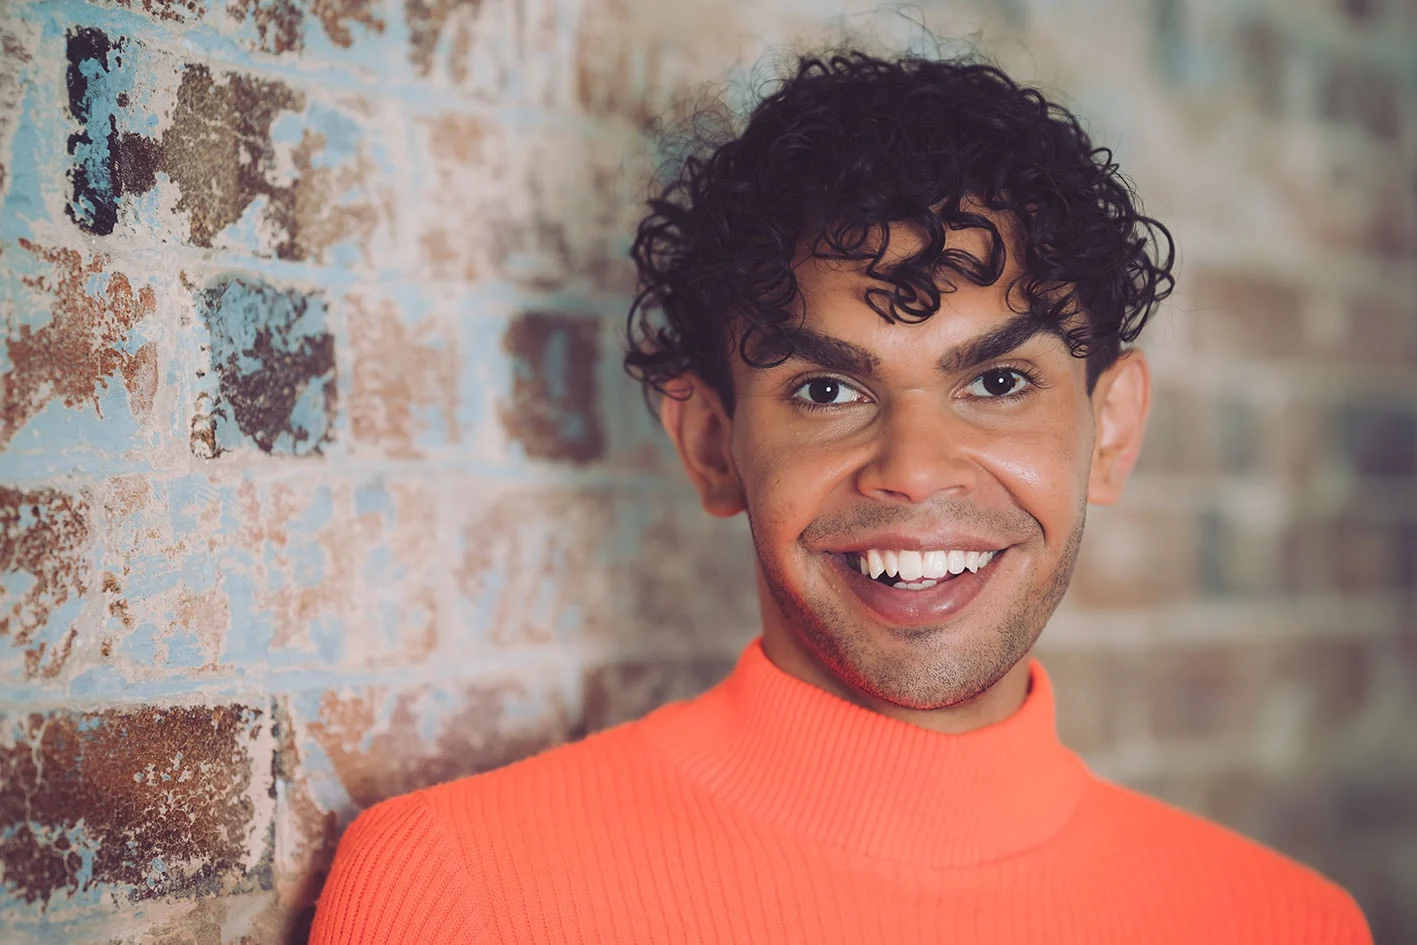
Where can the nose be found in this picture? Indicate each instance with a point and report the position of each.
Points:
(922, 452)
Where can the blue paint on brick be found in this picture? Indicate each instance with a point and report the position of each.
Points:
(272, 377)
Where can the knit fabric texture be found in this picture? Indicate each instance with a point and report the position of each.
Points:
(768, 810)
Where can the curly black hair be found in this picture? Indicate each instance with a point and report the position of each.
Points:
(851, 145)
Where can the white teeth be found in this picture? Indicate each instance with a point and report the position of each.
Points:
(874, 562)
(937, 564)
(912, 568)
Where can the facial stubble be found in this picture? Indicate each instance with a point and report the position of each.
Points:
(926, 667)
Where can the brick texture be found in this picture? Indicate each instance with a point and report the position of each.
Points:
(319, 481)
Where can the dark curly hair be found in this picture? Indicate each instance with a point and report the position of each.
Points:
(852, 144)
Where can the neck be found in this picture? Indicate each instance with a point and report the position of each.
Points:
(785, 649)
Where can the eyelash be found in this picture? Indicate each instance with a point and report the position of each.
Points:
(1029, 376)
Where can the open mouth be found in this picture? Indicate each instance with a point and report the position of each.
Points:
(916, 570)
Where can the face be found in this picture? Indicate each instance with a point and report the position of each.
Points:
(917, 492)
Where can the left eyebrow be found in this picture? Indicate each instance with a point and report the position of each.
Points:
(997, 343)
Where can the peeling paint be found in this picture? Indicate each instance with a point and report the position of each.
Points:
(158, 802)
(554, 408)
(280, 24)
(44, 545)
(273, 360)
(374, 737)
(108, 163)
(399, 372)
(72, 357)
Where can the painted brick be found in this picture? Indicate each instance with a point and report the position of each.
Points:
(271, 382)
(149, 802)
(554, 411)
(499, 203)
(81, 366)
(404, 396)
(45, 573)
(623, 691)
(512, 539)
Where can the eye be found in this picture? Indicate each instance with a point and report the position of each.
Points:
(999, 382)
(826, 392)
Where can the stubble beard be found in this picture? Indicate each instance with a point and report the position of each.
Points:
(925, 669)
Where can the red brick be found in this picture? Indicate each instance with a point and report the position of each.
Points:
(1207, 690)
(1092, 693)
(185, 785)
(627, 690)
(1135, 559)
(1358, 94)
(1239, 315)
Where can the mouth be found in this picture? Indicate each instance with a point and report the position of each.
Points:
(907, 588)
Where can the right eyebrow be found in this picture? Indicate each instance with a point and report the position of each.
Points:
(832, 354)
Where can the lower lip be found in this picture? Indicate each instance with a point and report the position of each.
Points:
(903, 608)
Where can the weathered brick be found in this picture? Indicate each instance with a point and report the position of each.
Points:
(1365, 96)
(1381, 331)
(1092, 695)
(382, 741)
(1376, 439)
(76, 334)
(404, 376)
(45, 571)
(153, 801)
(553, 411)
(539, 565)
(502, 203)
(626, 690)
(1201, 691)
(272, 381)
(1238, 315)
(1135, 559)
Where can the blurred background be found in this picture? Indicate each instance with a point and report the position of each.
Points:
(320, 481)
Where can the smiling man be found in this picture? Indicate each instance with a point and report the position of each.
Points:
(890, 322)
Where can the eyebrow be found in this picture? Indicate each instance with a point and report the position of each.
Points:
(833, 354)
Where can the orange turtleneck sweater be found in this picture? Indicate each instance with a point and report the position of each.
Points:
(768, 811)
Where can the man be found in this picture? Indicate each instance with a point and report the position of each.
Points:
(890, 322)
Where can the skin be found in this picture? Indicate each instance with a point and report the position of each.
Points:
(911, 444)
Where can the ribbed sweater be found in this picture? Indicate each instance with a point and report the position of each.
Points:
(768, 810)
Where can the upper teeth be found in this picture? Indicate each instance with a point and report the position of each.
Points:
(914, 565)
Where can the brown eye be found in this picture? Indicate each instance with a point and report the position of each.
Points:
(998, 382)
(827, 392)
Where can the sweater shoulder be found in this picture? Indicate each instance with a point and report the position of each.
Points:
(397, 876)
(1219, 865)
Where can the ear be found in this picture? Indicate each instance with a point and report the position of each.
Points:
(1120, 403)
(695, 419)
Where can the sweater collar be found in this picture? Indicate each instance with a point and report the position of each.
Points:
(810, 762)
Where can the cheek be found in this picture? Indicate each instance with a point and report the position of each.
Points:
(788, 481)
(1045, 474)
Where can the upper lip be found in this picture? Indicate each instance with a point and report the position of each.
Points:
(944, 540)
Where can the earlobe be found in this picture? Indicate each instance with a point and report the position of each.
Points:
(1120, 402)
(694, 417)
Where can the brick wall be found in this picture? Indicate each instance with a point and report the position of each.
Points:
(319, 480)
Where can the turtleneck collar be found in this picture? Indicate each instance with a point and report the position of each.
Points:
(792, 754)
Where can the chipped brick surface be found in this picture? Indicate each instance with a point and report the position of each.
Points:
(156, 802)
(320, 482)
(44, 549)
